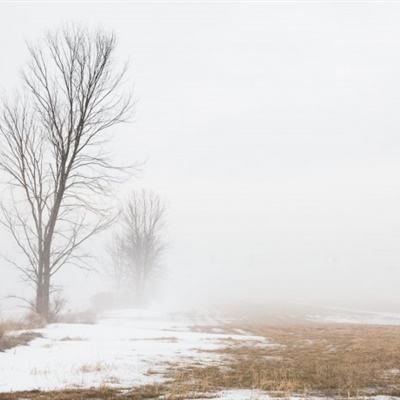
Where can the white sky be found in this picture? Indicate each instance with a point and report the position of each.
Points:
(271, 129)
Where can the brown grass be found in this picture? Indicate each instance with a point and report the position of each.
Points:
(311, 359)
(90, 368)
(30, 321)
(341, 360)
(104, 393)
(9, 340)
(165, 339)
(72, 339)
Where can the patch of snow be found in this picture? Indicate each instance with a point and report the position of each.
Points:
(358, 317)
(382, 397)
(118, 351)
(255, 394)
(247, 394)
(240, 394)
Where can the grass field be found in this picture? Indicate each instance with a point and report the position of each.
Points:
(311, 359)
(293, 359)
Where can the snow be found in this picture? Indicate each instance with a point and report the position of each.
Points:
(358, 317)
(240, 394)
(119, 351)
(247, 394)
(127, 348)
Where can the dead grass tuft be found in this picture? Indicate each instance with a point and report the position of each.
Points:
(165, 339)
(29, 321)
(9, 341)
(103, 393)
(71, 339)
(9, 328)
(91, 368)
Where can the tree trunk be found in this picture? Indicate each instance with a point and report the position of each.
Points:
(42, 306)
(43, 287)
(46, 298)
(46, 257)
(39, 297)
(46, 284)
(39, 283)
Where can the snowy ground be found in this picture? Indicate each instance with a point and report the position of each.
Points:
(123, 349)
(346, 316)
(130, 348)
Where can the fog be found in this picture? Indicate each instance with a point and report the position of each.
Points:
(271, 131)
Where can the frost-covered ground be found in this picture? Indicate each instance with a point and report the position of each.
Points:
(123, 349)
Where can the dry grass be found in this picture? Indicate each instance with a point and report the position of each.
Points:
(8, 340)
(72, 339)
(311, 359)
(91, 368)
(104, 393)
(29, 321)
(340, 360)
(165, 339)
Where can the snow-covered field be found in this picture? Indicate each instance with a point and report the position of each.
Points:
(129, 348)
(123, 349)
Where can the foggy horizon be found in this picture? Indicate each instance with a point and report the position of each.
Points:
(270, 130)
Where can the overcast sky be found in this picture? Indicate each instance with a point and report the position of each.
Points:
(272, 131)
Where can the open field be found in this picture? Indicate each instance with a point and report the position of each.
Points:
(311, 359)
(138, 355)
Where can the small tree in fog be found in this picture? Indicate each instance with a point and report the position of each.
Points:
(138, 246)
(52, 148)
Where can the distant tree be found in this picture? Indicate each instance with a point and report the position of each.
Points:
(52, 148)
(138, 246)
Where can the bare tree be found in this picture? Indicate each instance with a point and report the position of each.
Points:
(52, 148)
(138, 246)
